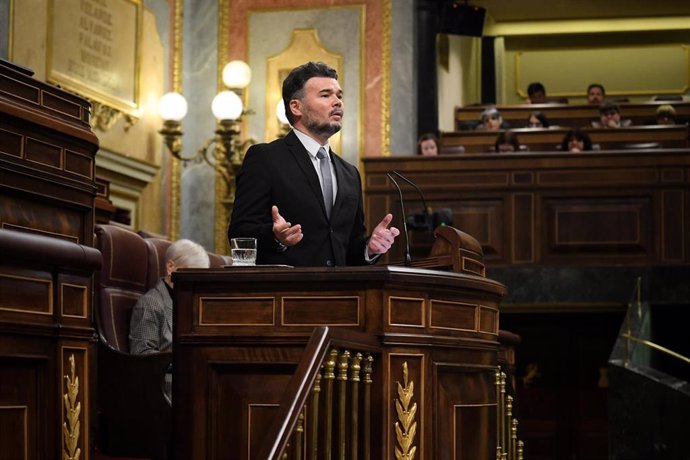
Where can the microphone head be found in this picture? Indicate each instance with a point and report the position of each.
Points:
(443, 216)
(421, 221)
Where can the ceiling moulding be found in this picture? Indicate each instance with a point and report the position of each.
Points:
(585, 26)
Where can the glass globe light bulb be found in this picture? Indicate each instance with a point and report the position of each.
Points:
(227, 105)
(172, 106)
(237, 74)
(280, 113)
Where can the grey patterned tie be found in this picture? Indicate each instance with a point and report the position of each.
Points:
(327, 180)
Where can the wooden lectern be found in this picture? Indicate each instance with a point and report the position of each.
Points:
(430, 338)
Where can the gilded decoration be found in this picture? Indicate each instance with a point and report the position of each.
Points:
(177, 87)
(71, 428)
(406, 426)
(386, 81)
(104, 117)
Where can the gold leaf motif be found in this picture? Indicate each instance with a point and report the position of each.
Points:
(406, 417)
(71, 429)
(104, 117)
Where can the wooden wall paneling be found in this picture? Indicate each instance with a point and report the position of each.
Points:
(597, 228)
(27, 409)
(466, 399)
(674, 224)
(523, 236)
(484, 219)
(606, 207)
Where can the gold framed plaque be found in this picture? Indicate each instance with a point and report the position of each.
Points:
(94, 49)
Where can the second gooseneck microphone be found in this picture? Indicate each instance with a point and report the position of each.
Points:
(408, 257)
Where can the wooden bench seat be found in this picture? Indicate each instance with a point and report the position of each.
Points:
(568, 115)
(545, 140)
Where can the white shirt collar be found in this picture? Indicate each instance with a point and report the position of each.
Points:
(310, 144)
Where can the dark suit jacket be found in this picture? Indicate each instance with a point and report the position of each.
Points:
(282, 174)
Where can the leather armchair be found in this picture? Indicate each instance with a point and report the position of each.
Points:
(134, 415)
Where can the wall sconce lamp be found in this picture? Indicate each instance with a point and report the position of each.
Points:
(228, 109)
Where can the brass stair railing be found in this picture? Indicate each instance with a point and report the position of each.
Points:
(508, 446)
(327, 410)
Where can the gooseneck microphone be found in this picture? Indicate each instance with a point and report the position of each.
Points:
(408, 257)
(427, 220)
(421, 195)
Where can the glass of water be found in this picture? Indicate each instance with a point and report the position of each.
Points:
(243, 251)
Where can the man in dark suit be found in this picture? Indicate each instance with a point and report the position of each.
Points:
(300, 200)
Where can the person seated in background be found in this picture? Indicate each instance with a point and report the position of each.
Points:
(506, 141)
(596, 94)
(150, 327)
(665, 115)
(536, 93)
(491, 120)
(537, 120)
(428, 145)
(576, 140)
(610, 117)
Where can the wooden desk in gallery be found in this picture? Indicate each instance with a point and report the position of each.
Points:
(47, 340)
(240, 332)
(548, 140)
(568, 115)
(594, 208)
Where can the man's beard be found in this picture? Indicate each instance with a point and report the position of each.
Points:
(321, 129)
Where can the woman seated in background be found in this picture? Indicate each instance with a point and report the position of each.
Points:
(576, 140)
(506, 141)
(537, 120)
(491, 120)
(428, 145)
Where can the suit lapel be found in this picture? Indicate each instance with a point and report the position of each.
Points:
(343, 183)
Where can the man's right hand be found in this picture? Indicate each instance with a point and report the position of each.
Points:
(286, 233)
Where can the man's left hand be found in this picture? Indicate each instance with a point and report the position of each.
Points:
(383, 237)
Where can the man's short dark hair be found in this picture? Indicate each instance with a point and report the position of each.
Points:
(293, 85)
(535, 87)
(596, 85)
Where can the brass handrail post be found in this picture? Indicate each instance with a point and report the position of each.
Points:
(513, 439)
(329, 376)
(504, 445)
(314, 438)
(343, 364)
(499, 414)
(299, 434)
(368, 368)
(354, 412)
(507, 420)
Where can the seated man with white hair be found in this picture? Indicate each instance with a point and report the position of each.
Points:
(150, 327)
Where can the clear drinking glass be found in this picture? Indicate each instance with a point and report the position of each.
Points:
(243, 251)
